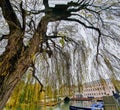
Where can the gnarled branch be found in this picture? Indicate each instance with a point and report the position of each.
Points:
(9, 15)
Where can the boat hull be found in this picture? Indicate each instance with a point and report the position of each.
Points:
(79, 108)
(81, 99)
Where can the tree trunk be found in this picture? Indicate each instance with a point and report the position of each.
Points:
(11, 72)
(17, 58)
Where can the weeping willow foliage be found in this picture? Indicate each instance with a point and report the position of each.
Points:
(72, 61)
(67, 69)
(26, 95)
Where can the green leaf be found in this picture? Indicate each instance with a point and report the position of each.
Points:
(62, 42)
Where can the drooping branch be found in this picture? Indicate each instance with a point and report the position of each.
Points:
(33, 74)
(45, 2)
(35, 11)
(111, 54)
(52, 37)
(96, 14)
(86, 26)
(89, 27)
(85, 19)
(80, 5)
(67, 39)
(23, 13)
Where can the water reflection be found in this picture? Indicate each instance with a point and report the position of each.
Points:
(65, 106)
(61, 106)
(81, 103)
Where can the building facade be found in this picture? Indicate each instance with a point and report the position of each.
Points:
(98, 89)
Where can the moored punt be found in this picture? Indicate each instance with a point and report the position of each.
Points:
(79, 108)
(81, 99)
(84, 108)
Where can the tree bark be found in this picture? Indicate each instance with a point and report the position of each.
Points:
(11, 78)
(17, 58)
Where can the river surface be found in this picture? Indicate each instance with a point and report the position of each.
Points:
(61, 106)
(65, 106)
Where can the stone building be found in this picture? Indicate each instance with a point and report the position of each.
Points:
(98, 88)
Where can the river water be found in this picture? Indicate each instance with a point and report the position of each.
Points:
(61, 106)
(65, 106)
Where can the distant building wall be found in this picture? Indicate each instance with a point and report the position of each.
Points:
(53, 2)
(97, 89)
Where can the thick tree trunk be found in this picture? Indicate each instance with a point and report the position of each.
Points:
(8, 66)
(13, 78)
(17, 59)
(20, 64)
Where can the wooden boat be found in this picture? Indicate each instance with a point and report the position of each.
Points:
(81, 99)
(79, 108)
(84, 108)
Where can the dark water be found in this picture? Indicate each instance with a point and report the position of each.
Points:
(65, 106)
(61, 106)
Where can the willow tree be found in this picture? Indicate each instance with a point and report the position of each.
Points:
(18, 57)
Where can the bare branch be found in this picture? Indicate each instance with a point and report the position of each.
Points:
(96, 14)
(83, 18)
(45, 2)
(35, 11)
(52, 37)
(80, 5)
(33, 73)
(3, 37)
(23, 16)
(9, 15)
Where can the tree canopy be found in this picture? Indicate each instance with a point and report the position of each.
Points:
(79, 38)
